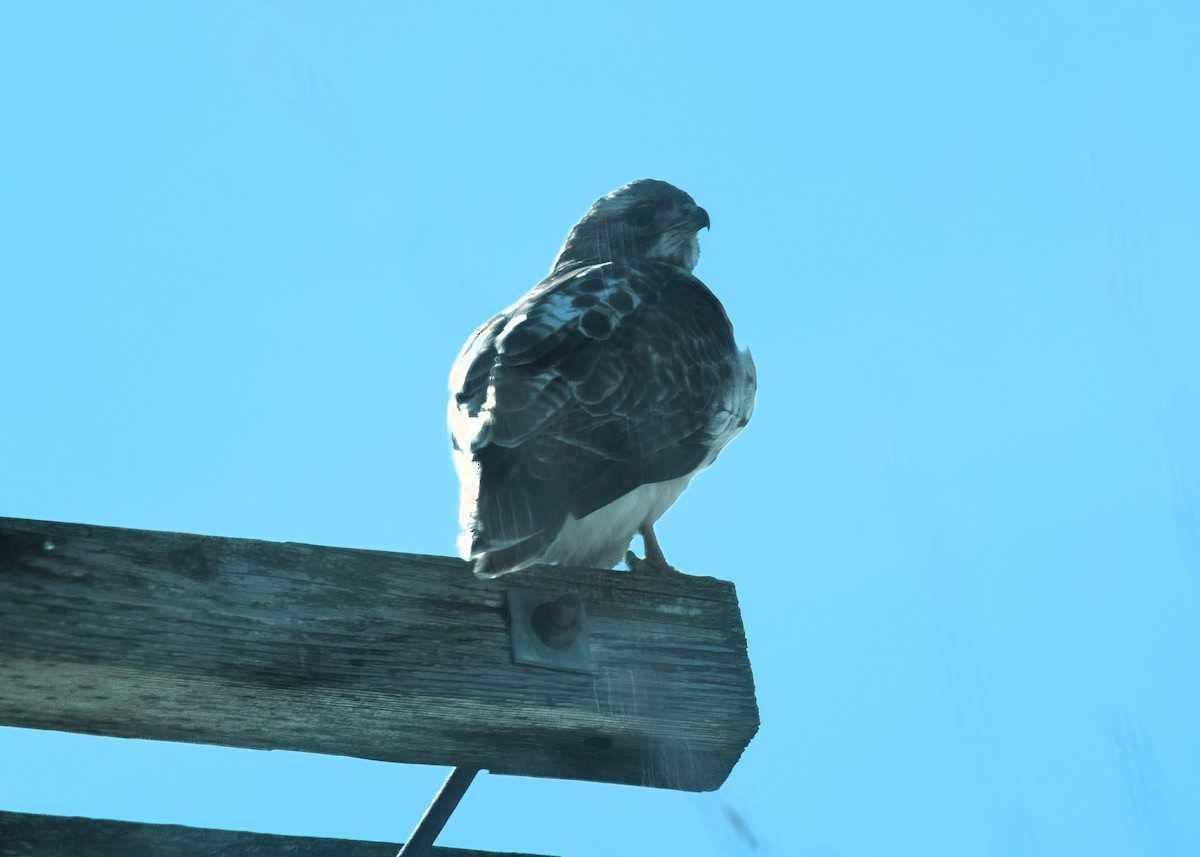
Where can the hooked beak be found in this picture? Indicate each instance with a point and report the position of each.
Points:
(698, 219)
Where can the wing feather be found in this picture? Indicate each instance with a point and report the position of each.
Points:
(601, 379)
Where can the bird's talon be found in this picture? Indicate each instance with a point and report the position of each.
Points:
(638, 565)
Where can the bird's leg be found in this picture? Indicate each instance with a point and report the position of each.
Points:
(655, 562)
(654, 552)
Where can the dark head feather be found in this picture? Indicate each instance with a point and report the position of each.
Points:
(645, 219)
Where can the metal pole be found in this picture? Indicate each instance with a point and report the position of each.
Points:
(438, 814)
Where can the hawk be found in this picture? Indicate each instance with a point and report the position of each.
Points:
(579, 414)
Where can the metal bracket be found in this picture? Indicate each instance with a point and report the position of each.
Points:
(549, 629)
(435, 818)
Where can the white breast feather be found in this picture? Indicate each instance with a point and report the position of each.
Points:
(599, 540)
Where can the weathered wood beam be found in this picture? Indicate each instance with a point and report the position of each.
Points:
(388, 656)
(25, 835)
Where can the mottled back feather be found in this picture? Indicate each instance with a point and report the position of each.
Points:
(606, 376)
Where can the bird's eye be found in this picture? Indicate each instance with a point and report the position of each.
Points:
(687, 209)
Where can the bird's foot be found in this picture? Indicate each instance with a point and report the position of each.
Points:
(649, 565)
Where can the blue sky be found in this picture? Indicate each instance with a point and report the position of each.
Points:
(241, 244)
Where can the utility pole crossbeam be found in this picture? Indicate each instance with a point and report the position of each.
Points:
(25, 835)
(389, 656)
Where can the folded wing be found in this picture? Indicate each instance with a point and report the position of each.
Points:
(602, 379)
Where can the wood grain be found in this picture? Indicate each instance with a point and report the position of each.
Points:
(389, 656)
(25, 835)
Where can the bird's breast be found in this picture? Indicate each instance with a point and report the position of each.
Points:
(600, 539)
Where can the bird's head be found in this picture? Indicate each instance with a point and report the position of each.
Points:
(645, 219)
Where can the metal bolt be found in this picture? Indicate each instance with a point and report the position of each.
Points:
(557, 622)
